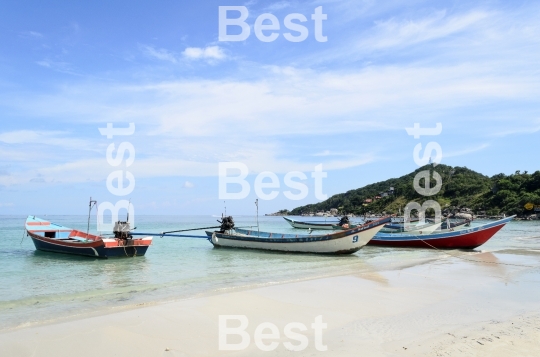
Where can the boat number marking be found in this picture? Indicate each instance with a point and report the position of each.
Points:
(355, 239)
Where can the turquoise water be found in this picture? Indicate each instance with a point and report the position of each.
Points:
(38, 286)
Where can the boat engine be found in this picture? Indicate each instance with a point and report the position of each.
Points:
(344, 220)
(227, 223)
(121, 230)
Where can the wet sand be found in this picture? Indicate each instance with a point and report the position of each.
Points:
(448, 307)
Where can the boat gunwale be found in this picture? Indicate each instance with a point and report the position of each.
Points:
(74, 244)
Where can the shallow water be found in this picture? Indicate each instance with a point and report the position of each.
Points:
(39, 286)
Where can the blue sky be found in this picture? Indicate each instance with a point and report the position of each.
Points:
(67, 69)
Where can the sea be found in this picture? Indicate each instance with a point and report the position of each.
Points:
(39, 287)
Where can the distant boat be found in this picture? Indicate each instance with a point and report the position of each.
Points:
(413, 229)
(465, 238)
(428, 227)
(342, 242)
(311, 224)
(448, 225)
(52, 237)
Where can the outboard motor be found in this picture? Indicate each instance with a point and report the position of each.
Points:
(121, 230)
(227, 223)
(344, 220)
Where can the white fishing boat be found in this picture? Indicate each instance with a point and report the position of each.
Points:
(341, 242)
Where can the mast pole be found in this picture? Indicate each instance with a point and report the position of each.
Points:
(257, 205)
(90, 205)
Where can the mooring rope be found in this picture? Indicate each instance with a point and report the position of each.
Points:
(24, 231)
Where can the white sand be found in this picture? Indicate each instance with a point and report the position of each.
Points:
(444, 308)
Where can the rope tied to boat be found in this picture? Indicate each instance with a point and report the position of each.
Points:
(124, 243)
(24, 231)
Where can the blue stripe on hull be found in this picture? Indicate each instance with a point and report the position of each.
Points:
(48, 247)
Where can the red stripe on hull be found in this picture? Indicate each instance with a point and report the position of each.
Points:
(38, 223)
(95, 244)
(466, 241)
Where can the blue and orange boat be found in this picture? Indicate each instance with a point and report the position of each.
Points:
(51, 237)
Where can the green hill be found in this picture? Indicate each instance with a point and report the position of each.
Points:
(461, 187)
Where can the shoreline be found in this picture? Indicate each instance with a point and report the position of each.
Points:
(410, 310)
(108, 310)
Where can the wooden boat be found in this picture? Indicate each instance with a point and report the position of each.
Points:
(52, 237)
(394, 227)
(413, 229)
(448, 225)
(310, 224)
(465, 238)
(342, 242)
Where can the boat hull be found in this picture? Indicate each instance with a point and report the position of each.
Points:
(94, 249)
(89, 250)
(51, 237)
(346, 242)
(460, 239)
(127, 251)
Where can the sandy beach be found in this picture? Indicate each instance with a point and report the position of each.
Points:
(447, 307)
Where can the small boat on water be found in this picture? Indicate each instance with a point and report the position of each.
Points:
(429, 227)
(343, 223)
(311, 224)
(464, 238)
(51, 237)
(414, 229)
(342, 242)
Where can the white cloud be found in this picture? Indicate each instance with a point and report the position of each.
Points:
(33, 34)
(160, 53)
(210, 53)
(44, 63)
(323, 153)
(327, 153)
(206, 53)
(37, 180)
(280, 118)
(51, 138)
(280, 5)
(531, 128)
(194, 124)
(466, 151)
(58, 66)
(478, 35)
(393, 32)
(258, 158)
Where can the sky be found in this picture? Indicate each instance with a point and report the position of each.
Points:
(69, 68)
